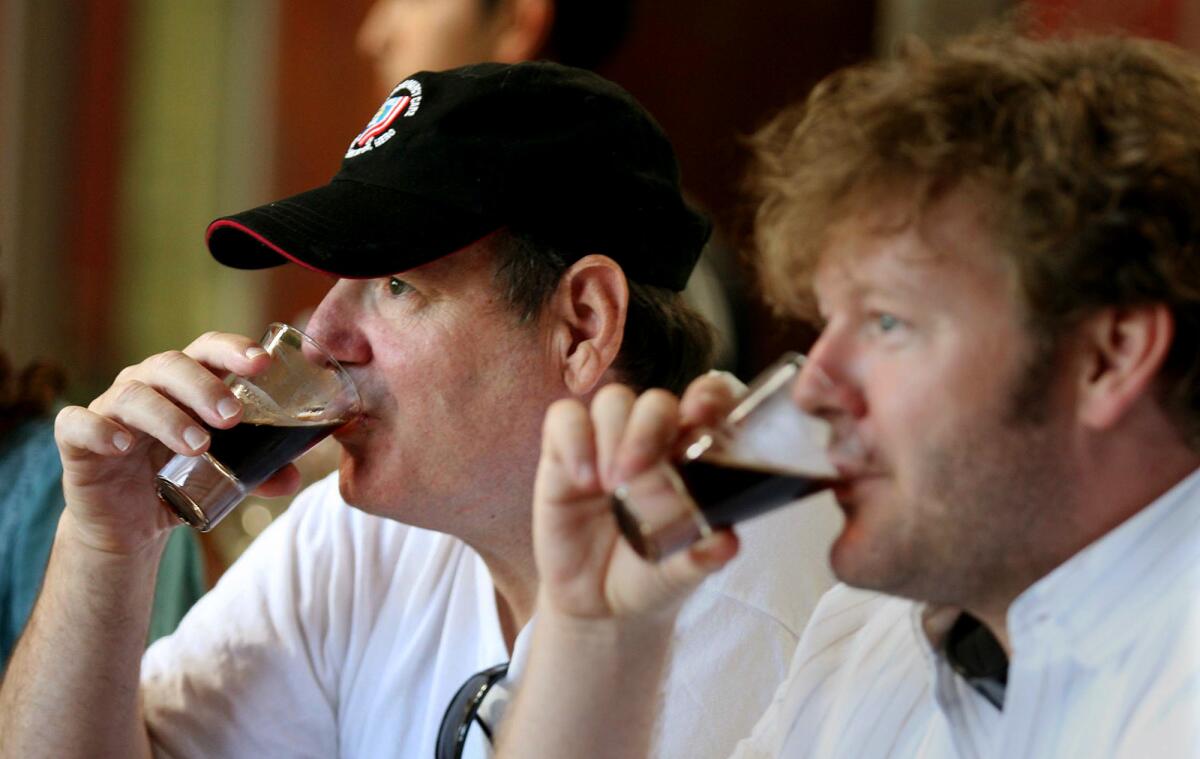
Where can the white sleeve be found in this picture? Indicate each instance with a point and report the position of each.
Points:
(251, 671)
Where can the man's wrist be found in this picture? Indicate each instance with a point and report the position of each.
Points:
(643, 634)
(87, 545)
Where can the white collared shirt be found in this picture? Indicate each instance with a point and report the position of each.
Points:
(1105, 663)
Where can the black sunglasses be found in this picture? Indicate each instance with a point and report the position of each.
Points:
(464, 709)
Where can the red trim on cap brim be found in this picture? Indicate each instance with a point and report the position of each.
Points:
(246, 230)
(219, 223)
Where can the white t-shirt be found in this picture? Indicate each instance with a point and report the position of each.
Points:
(1106, 663)
(342, 634)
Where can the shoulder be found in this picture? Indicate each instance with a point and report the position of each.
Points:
(858, 656)
(852, 621)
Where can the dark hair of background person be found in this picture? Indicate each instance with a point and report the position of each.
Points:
(666, 343)
(584, 33)
(29, 393)
(1087, 152)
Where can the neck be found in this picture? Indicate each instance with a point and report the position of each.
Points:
(515, 583)
(1105, 506)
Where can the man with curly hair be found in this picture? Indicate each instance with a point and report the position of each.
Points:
(1001, 243)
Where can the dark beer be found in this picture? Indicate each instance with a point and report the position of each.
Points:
(725, 491)
(729, 491)
(253, 451)
(246, 456)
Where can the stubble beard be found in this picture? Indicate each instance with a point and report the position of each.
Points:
(984, 506)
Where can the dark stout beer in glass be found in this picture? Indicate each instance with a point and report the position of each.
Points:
(291, 406)
(765, 454)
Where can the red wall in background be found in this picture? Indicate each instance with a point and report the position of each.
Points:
(326, 94)
(98, 97)
(1160, 19)
(713, 71)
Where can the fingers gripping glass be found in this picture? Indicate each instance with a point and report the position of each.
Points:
(463, 711)
(301, 397)
(764, 454)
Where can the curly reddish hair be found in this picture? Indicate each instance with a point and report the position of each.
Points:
(1087, 149)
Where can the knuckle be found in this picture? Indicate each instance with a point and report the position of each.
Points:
(657, 397)
(126, 374)
(66, 418)
(657, 406)
(205, 337)
(130, 391)
(171, 360)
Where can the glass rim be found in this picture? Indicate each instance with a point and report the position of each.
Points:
(768, 382)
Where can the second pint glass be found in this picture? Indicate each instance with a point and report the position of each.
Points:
(765, 453)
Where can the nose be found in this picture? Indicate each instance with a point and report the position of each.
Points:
(335, 323)
(825, 387)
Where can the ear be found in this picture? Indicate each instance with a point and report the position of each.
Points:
(588, 320)
(1125, 349)
(521, 30)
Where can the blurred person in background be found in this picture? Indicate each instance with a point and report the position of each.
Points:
(1001, 241)
(32, 502)
(503, 237)
(403, 36)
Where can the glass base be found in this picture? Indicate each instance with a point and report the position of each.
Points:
(198, 490)
(656, 515)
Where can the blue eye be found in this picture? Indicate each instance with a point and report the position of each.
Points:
(397, 286)
(883, 324)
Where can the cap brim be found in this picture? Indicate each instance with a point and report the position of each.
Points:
(346, 228)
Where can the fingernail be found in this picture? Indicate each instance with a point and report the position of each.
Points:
(228, 408)
(195, 437)
(254, 351)
(122, 440)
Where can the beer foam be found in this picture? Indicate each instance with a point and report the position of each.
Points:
(781, 437)
(260, 408)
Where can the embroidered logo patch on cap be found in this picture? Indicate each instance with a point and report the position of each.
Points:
(404, 101)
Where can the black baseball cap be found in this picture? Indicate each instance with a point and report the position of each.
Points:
(543, 149)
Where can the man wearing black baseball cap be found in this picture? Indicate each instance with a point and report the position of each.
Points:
(503, 237)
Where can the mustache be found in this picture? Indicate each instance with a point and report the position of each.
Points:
(849, 453)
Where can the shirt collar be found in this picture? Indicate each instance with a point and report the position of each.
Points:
(1088, 606)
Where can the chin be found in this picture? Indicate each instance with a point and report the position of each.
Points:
(857, 561)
